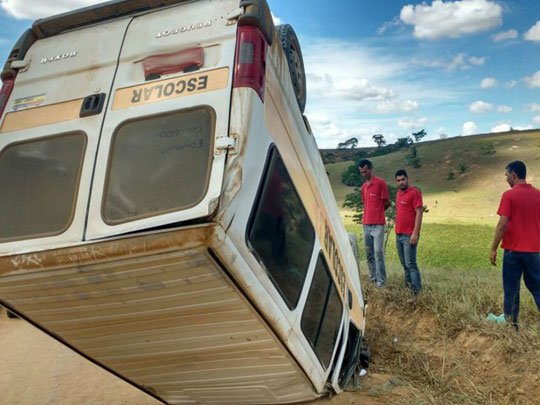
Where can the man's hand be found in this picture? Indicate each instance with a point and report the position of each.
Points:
(414, 239)
(493, 257)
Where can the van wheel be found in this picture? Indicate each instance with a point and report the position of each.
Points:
(291, 47)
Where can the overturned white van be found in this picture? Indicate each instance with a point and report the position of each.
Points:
(165, 211)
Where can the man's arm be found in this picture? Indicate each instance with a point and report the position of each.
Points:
(386, 204)
(499, 233)
(417, 225)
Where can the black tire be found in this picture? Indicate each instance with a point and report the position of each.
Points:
(293, 53)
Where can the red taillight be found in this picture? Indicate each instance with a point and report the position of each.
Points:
(250, 60)
(157, 65)
(7, 87)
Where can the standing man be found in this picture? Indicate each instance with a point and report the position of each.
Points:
(409, 212)
(519, 230)
(376, 201)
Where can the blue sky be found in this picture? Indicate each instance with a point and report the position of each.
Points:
(395, 67)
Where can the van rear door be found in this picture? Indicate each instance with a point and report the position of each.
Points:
(159, 160)
(47, 149)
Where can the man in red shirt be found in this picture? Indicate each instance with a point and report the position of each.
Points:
(409, 212)
(376, 201)
(519, 230)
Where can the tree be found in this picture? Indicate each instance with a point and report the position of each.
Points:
(349, 143)
(412, 159)
(404, 142)
(443, 136)
(379, 140)
(419, 135)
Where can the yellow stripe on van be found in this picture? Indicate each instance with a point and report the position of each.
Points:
(46, 115)
(171, 88)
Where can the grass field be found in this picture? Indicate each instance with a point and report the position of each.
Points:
(441, 347)
(458, 230)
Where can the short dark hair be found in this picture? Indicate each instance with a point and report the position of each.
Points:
(401, 172)
(517, 167)
(366, 163)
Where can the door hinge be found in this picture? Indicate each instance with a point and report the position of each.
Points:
(232, 16)
(227, 144)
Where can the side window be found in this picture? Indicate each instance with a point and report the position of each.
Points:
(280, 233)
(322, 314)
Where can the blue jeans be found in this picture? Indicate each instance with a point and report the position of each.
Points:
(407, 257)
(374, 245)
(514, 265)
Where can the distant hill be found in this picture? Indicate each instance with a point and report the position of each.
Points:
(474, 193)
(341, 155)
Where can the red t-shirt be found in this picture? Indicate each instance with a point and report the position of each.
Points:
(406, 204)
(521, 205)
(373, 197)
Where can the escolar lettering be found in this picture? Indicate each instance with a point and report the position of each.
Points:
(159, 91)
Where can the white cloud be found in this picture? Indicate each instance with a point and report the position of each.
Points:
(534, 80)
(504, 109)
(33, 9)
(534, 107)
(452, 19)
(469, 128)
(510, 84)
(277, 20)
(488, 82)
(520, 128)
(533, 34)
(477, 61)
(480, 107)
(504, 35)
(460, 61)
(395, 23)
(503, 127)
(389, 106)
(536, 120)
(410, 123)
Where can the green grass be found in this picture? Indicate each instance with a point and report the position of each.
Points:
(460, 283)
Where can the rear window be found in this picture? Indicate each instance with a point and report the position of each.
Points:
(158, 165)
(280, 233)
(321, 318)
(39, 182)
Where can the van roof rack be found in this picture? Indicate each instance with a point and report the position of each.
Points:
(50, 26)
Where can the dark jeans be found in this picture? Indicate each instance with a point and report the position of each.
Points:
(407, 257)
(514, 265)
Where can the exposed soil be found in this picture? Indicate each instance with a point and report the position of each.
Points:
(415, 360)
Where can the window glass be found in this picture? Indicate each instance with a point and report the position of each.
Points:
(281, 233)
(158, 165)
(321, 318)
(39, 182)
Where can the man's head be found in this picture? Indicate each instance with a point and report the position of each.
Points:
(516, 172)
(366, 169)
(402, 179)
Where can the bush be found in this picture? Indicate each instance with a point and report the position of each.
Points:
(451, 175)
(462, 168)
(412, 159)
(487, 149)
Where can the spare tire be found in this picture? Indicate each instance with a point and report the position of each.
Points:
(291, 47)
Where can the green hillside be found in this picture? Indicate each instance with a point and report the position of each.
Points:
(473, 196)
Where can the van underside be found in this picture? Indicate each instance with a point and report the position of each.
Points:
(161, 312)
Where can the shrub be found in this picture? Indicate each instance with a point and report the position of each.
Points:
(451, 175)
(462, 168)
(487, 149)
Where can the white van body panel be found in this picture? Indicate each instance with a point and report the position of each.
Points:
(187, 313)
(90, 71)
(219, 41)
